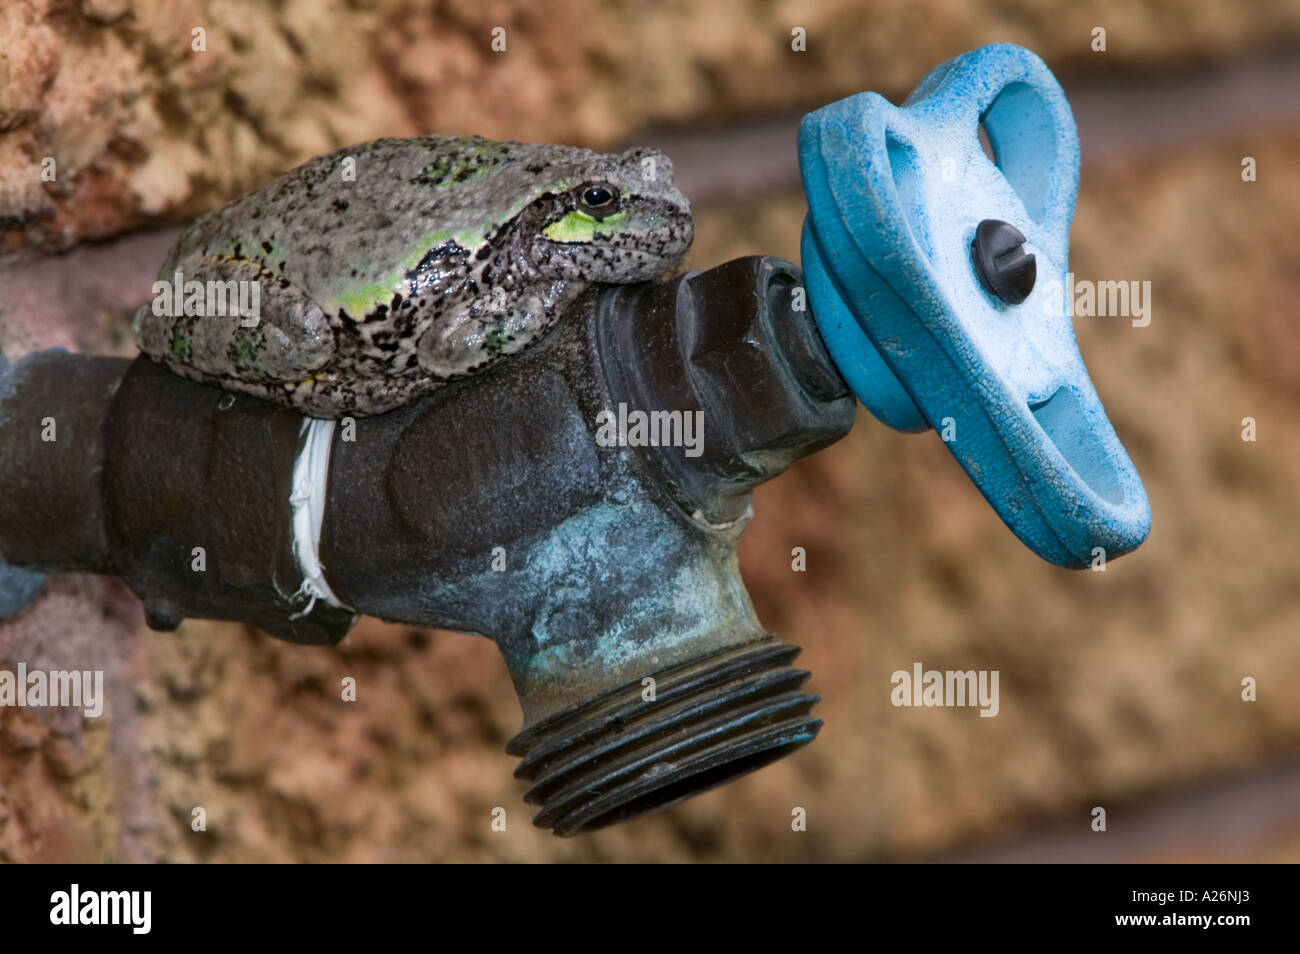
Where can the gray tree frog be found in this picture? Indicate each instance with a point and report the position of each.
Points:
(389, 268)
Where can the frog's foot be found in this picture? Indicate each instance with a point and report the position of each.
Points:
(336, 395)
(248, 324)
(481, 332)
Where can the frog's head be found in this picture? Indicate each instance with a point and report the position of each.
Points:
(615, 219)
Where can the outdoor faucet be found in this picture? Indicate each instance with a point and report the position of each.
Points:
(508, 505)
(582, 506)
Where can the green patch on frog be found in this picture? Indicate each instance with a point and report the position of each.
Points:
(179, 345)
(496, 341)
(246, 349)
(363, 300)
(456, 169)
(578, 226)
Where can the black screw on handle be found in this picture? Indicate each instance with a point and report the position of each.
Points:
(1003, 265)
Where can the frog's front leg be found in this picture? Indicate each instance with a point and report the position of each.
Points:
(480, 331)
(270, 329)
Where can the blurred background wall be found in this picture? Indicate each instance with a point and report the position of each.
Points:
(1119, 689)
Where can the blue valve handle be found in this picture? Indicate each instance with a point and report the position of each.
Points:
(895, 194)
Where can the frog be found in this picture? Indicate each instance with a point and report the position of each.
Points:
(386, 270)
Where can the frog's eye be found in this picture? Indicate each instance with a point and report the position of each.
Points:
(598, 198)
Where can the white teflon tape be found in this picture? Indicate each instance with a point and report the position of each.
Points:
(307, 503)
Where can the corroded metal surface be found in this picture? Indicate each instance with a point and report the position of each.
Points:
(505, 505)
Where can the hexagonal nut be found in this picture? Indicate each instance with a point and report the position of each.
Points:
(769, 388)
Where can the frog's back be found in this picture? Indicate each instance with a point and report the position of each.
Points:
(349, 219)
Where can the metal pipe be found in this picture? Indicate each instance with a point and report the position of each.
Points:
(518, 504)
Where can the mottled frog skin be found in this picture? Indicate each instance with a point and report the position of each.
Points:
(417, 262)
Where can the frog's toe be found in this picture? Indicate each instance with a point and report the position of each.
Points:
(479, 338)
(295, 355)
